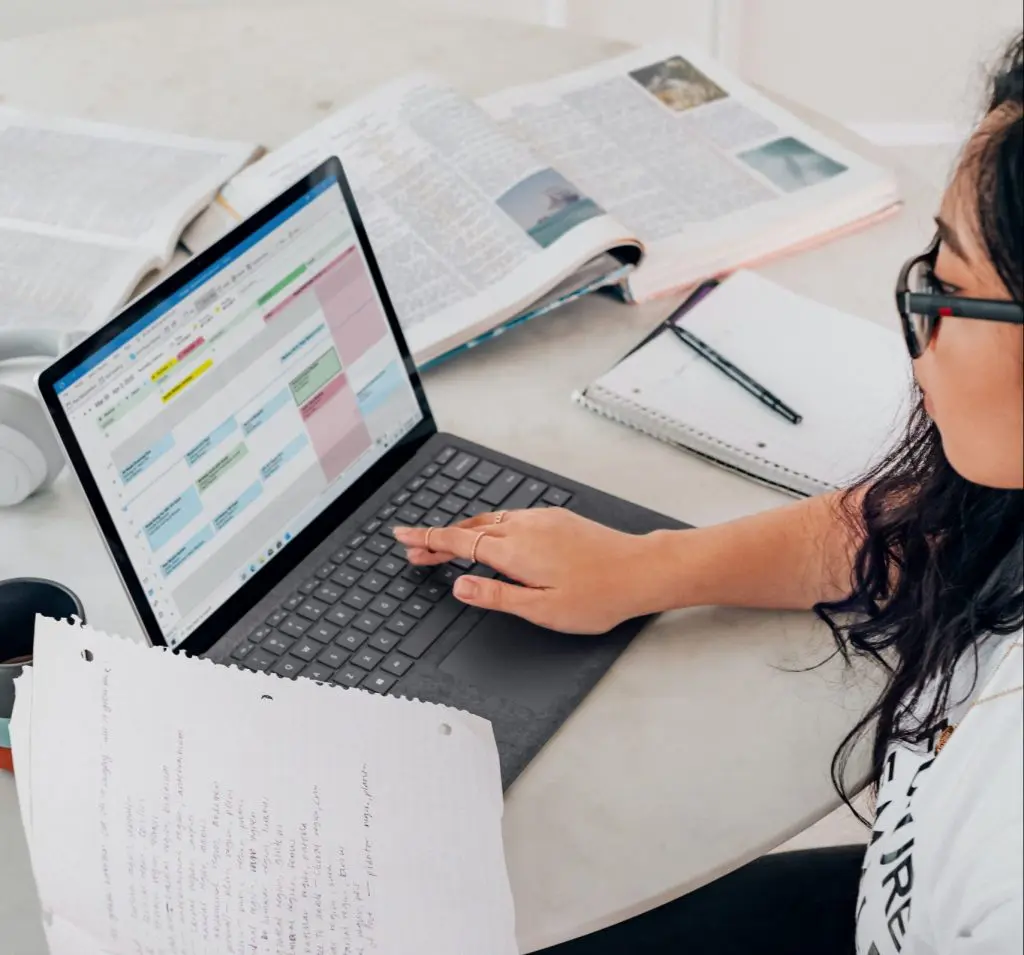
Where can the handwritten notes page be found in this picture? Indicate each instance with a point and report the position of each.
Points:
(175, 806)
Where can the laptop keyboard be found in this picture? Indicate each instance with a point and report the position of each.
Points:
(366, 616)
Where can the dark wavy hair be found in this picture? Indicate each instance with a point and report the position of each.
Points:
(939, 564)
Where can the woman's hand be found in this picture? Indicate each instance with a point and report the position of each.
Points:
(572, 574)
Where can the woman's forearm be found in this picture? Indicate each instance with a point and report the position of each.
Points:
(788, 558)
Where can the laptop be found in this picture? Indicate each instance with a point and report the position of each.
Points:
(249, 432)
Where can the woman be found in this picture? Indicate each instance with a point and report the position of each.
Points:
(919, 566)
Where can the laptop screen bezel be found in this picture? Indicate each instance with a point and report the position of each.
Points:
(294, 552)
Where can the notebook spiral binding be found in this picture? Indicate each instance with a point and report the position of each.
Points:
(683, 436)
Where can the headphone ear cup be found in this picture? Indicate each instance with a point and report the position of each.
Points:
(30, 456)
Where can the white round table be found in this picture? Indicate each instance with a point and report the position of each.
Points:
(702, 748)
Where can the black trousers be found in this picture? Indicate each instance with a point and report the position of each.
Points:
(790, 903)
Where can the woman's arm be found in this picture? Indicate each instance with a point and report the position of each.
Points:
(790, 558)
(575, 575)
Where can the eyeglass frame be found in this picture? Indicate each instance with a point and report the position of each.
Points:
(937, 306)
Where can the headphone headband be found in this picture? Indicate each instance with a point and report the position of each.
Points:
(32, 343)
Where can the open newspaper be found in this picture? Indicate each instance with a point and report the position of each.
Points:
(88, 209)
(477, 210)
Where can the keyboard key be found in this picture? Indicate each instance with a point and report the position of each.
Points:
(328, 593)
(484, 472)
(351, 640)
(401, 624)
(308, 586)
(415, 484)
(463, 563)
(525, 495)
(387, 511)
(379, 546)
(440, 485)
(371, 527)
(500, 488)
(378, 682)
(276, 617)
(556, 497)
(476, 507)
(423, 501)
(467, 489)
(242, 650)
(349, 676)
(340, 616)
(416, 574)
(292, 602)
(317, 671)
(362, 561)
(430, 470)
(432, 591)
(437, 519)
(305, 649)
(418, 607)
(460, 466)
(445, 456)
(390, 565)
(288, 667)
(446, 575)
(384, 605)
(357, 598)
(401, 498)
(260, 659)
(333, 657)
(401, 588)
(355, 542)
(340, 556)
(452, 504)
(366, 658)
(324, 632)
(409, 516)
(325, 570)
(396, 664)
(440, 618)
(374, 582)
(369, 622)
(345, 577)
(264, 631)
(384, 641)
(278, 644)
(294, 626)
(312, 609)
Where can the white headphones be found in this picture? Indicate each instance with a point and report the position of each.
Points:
(30, 455)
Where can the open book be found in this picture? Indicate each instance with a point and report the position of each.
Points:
(477, 210)
(172, 805)
(88, 209)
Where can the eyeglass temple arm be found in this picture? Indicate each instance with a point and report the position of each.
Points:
(923, 303)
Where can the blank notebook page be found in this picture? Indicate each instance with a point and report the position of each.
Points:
(849, 378)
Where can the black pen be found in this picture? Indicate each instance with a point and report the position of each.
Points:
(741, 378)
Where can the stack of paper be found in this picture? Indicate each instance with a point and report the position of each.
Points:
(172, 806)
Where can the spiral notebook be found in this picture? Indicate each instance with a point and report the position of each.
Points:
(849, 378)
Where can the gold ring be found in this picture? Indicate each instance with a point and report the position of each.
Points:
(426, 539)
(476, 543)
(499, 517)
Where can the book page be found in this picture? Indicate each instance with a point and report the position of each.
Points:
(707, 172)
(87, 209)
(49, 279)
(180, 806)
(468, 224)
(111, 182)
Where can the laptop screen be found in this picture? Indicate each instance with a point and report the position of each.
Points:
(227, 418)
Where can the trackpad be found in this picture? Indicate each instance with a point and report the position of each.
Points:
(507, 657)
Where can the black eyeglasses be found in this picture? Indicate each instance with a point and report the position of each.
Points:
(922, 303)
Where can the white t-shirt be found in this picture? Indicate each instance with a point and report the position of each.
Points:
(944, 871)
